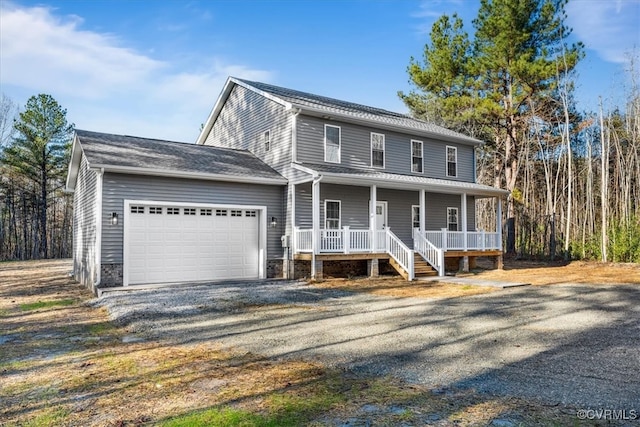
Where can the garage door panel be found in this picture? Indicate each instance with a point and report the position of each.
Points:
(192, 244)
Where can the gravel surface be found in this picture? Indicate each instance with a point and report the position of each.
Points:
(574, 345)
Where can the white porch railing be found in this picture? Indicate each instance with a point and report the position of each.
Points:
(400, 252)
(343, 240)
(429, 251)
(346, 240)
(463, 240)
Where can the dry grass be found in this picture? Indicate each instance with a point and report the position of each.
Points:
(395, 286)
(541, 273)
(64, 363)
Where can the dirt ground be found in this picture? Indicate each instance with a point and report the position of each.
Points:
(542, 273)
(533, 272)
(63, 362)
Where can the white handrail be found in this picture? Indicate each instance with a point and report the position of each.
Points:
(432, 254)
(400, 252)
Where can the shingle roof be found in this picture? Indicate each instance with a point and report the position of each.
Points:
(104, 150)
(404, 181)
(335, 106)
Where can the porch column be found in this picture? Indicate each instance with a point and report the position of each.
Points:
(463, 204)
(463, 214)
(423, 214)
(499, 222)
(373, 226)
(315, 221)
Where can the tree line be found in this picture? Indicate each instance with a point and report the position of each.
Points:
(35, 213)
(573, 176)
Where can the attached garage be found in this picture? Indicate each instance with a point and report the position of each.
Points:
(169, 242)
(149, 212)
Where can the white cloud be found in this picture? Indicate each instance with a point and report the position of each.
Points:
(608, 27)
(105, 85)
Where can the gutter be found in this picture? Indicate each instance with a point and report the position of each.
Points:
(193, 175)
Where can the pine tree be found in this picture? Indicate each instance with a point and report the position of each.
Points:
(489, 83)
(38, 153)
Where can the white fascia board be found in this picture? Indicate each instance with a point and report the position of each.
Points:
(215, 111)
(465, 140)
(191, 175)
(74, 165)
(305, 169)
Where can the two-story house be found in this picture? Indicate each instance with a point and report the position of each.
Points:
(279, 183)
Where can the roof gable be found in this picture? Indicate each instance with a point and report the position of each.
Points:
(334, 108)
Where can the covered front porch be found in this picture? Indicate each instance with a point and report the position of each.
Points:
(415, 223)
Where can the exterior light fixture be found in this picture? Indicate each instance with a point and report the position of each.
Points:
(114, 218)
(274, 222)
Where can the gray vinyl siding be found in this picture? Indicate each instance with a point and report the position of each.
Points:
(436, 210)
(355, 149)
(303, 206)
(471, 213)
(84, 225)
(399, 204)
(354, 205)
(118, 187)
(242, 122)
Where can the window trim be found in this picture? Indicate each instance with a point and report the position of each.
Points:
(339, 143)
(457, 218)
(266, 140)
(339, 202)
(421, 156)
(384, 149)
(455, 151)
(415, 207)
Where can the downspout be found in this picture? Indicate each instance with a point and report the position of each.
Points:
(294, 134)
(98, 248)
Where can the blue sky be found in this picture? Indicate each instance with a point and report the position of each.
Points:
(155, 68)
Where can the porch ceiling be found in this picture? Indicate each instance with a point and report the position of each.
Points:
(365, 177)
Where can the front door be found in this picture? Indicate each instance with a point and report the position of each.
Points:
(381, 215)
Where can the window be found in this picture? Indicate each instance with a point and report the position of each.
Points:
(332, 214)
(416, 156)
(249, 213)
(452, 219)
(206, 212)
(377, 150)
(236, 213)
(266, 140)
(452, 161)
(137, 209)
(173, 211)
(155, 210)
(331, 144)
(221, 212)
(189, 211)
(415, 216)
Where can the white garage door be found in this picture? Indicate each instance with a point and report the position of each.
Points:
(182, 243)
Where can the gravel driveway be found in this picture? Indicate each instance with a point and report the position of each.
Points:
(573, 345)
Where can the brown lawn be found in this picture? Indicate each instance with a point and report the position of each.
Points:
(63, 362)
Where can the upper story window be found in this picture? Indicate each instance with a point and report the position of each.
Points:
(331, 144)
(452, 161)
(452, 219)
(332, 214)
(266, 140)
(377, 150)
(416, 156)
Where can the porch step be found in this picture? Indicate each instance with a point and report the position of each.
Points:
(422, 268)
